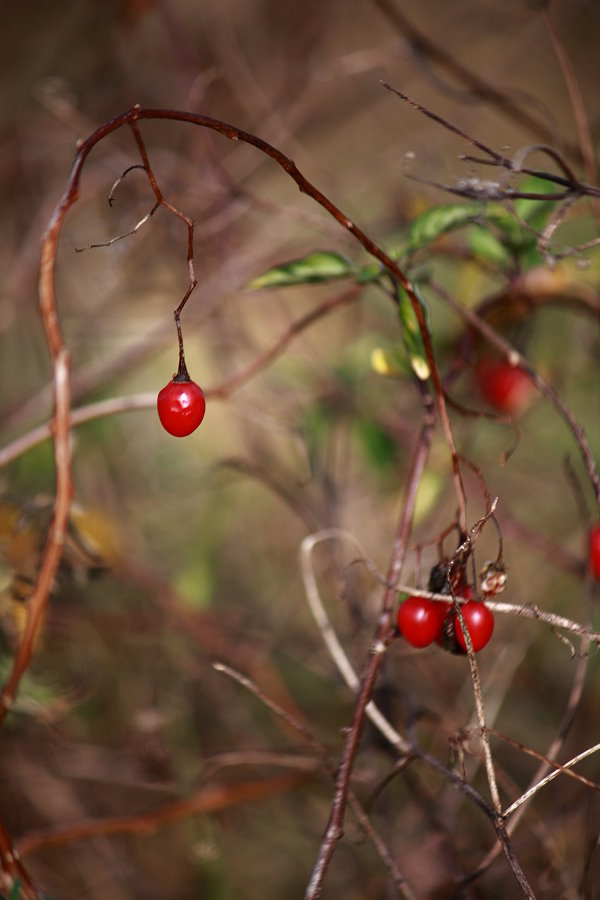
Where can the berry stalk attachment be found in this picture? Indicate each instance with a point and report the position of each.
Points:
(181, 404)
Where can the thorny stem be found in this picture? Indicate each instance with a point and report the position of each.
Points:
(334, 829)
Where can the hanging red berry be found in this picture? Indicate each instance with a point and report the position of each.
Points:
(181, 406)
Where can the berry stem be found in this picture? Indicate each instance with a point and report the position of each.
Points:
(182, 372)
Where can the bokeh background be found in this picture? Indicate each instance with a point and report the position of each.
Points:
(186, 552)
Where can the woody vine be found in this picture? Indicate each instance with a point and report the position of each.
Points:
(511, 221)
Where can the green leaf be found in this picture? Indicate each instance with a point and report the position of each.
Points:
(15, 891)
(379, 447)
(371, 272)
(512, 232)
(535, 212)
(411, 333)
(319, 265)
(483, 244)
(437, 221)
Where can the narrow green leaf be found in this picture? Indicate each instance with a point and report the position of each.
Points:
(437, 221)
(411, 334)
(319, 265)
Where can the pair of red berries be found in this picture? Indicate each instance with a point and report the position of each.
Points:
(181, 405)
(422, 621)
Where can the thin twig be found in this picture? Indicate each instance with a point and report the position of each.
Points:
(121, 237)
(492, 190)
(552, 763)
(423, 44)
(556, 744)
(208, 799)
(322, 754)
(330, 638)
(540, 784)
(579, 113)
(497, 820)
(334, 829)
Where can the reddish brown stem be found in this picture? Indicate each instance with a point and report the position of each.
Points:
(334, 830)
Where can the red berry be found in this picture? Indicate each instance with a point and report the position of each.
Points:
(505, 387)
(420, 620)
(480, 624)
(181, 407)
(595, 551)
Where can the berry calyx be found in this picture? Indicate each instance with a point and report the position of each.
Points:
(480, 625)
(420, 620)
(595, 551)
(507, 388)
(181, 405)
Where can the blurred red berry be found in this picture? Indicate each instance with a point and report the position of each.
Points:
(595, 551)
(507, 388)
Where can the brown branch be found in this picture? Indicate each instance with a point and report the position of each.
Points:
(51, 556)
(550, 763)
(581, 120)
(496, 820)
(12, 871)
(477, 85)
(478, 189)
(322, 754)
(225, 389)
(207, 800)
(564, 728)
(334, 829)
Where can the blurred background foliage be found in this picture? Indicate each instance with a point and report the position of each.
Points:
(181, 553)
